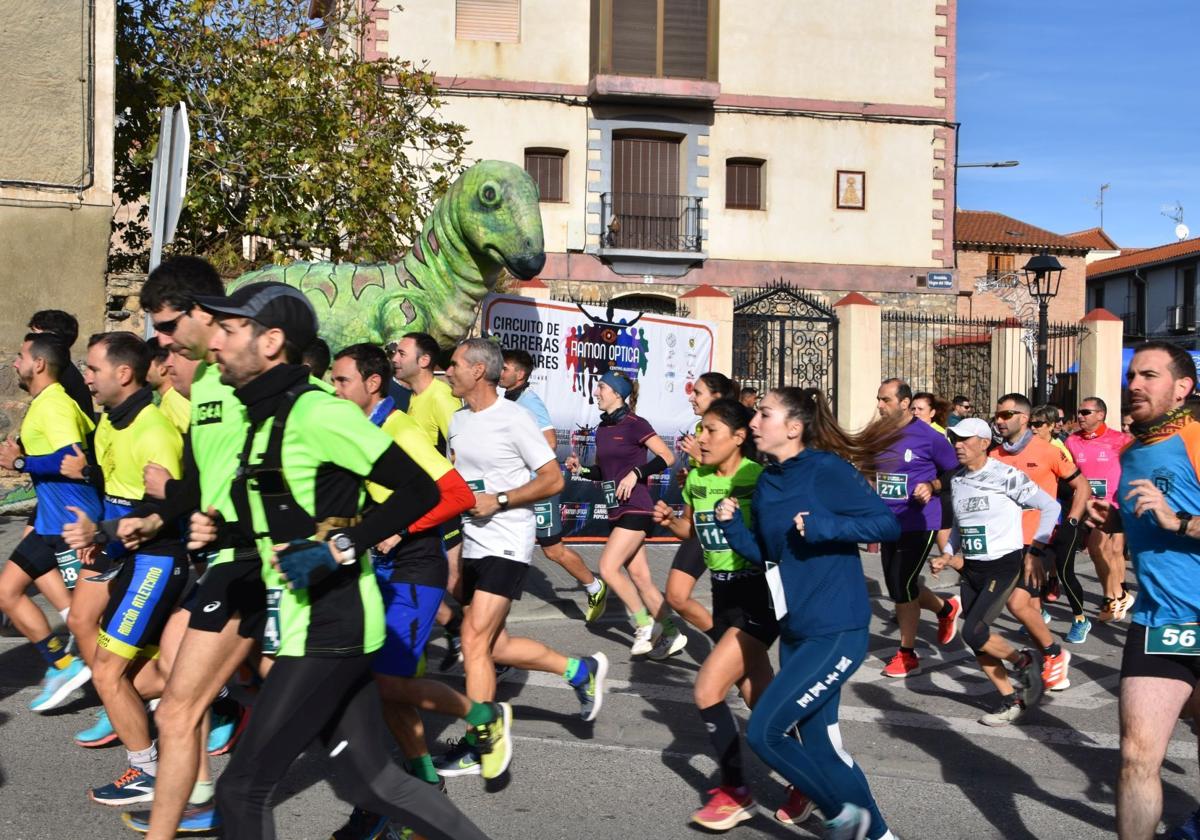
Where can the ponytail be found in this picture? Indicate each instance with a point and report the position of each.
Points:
(821, 429)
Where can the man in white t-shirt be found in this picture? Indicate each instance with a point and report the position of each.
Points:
(495, 446)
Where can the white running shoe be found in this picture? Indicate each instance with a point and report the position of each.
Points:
(643, 640)
(668, 644)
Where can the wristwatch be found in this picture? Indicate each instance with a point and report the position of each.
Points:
(344, 547)
(1184, 519)
(19, 463)
(502, 500)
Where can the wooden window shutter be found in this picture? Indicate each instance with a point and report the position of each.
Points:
(488, 20)
(743, 184)
(685, 39)
(635, 37)
(546, 167)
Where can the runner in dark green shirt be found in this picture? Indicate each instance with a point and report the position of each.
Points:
(298, 495)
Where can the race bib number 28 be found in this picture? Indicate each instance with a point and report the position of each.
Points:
(69, 566)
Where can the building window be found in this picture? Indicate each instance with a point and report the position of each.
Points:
(657, 38)
(653, 304)
(488, 20)
(546, 167)
(1001, 265)
(743, 184)
(1098, 297)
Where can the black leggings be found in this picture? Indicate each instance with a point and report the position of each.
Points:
(984, 587)
(335, 699)
(902, 563)
(1067, 540)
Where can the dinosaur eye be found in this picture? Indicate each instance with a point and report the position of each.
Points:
(489, 194)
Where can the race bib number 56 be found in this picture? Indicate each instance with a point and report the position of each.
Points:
(1176, 639)
(891, 485)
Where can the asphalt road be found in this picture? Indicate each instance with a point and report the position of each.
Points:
(639, 771)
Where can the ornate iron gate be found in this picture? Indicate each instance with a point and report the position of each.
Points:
(782, 337)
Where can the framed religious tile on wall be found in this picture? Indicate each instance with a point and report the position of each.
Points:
(851, 189)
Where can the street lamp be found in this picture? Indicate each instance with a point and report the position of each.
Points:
(1043, 273)
(999, 164)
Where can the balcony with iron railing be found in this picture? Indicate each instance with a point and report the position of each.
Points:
(1133, 324)
(1181, 318)
(651, 226)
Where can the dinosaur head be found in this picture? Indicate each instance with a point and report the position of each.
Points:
(499, 217)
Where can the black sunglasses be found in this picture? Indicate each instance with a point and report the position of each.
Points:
(1037, 424)
(1008, 415)
(168, 327)
(1084, 412)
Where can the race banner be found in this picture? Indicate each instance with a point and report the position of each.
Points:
(572, 345)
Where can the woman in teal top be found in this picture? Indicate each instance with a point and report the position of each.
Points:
(744, 625)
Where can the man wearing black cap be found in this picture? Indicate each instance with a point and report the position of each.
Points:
(298, 495)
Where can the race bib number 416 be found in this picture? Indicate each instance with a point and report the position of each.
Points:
(891, 485)
(974, 540)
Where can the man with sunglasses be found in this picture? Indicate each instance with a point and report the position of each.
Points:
(1097, 451)
(961, 411)
(1021, 448)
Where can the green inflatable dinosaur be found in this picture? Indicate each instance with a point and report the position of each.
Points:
(487, 221)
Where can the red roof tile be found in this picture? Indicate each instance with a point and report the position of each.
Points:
(1094, 238)
(982, 227)
(1141, 257)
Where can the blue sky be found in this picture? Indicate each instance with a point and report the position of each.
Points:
(1082, 93)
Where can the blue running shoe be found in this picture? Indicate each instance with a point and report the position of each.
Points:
(225, 732)
(1078, 633)
(852, 823)
(99, 734)
(134, 786)
(197, 819)
(1187, 830)
(1045, 618)
(59, 684)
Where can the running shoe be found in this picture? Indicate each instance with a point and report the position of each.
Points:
(1189, 829)
(797, 809)
(643, 640)
(99, 734)
(1009, 711)
(852, 823)
(503, 672)
(197, 819)
(903, 665)
(1029, 679)
(1045, 620)
(726, 807)
(596, 603)
(453, 655)
(1051, 590)
(1055, 671)
(362, 825)
(57, 686)
(225, 731)
(462, 759)
(1121, 606)
(1078, 633)
(493, 742)
(134, 786)
(591, 693)
(668, 644)
(948, 626)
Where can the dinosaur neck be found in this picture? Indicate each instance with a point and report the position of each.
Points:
(453, 278)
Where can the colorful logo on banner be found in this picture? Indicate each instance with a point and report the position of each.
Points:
(604, 344)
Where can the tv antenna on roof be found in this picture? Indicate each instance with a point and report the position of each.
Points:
(1175, 213)
(1099, 203)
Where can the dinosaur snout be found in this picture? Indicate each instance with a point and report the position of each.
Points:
(526, 266)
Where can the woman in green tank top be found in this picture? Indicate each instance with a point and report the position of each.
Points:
(744, 625)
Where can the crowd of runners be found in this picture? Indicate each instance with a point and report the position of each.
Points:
(251, 545)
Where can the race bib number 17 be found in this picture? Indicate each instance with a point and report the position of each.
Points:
(610, 493)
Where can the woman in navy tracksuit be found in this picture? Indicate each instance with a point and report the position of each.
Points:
(810, 510)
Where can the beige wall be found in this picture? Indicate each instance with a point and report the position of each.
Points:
(864, 51)
(553, 45)
(801, 221)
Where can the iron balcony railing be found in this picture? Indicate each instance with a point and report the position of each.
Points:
(1181, 318)
(650, 222)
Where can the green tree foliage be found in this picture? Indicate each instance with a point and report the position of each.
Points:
(296, 140)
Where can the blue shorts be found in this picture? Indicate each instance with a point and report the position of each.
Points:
(144, 594)
(409, 612)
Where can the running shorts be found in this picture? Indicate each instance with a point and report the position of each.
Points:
(902, 562)
(143, 595)
(984, 587)
(1135, 662)
(409, 613)
(689, 558)
(36, 554)
(742, 600)
(496, 575)
(230, 590)
(634, 522)
(548, 521)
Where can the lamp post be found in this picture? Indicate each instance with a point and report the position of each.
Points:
(1043, 273)
(998, 164)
